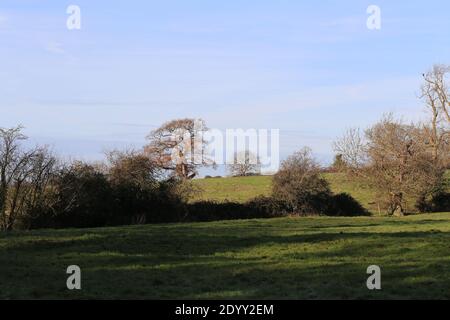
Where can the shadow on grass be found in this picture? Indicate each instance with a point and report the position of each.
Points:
(197, 262)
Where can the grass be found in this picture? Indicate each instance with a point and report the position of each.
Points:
(290, 258)
(238, 189)
(241, 189)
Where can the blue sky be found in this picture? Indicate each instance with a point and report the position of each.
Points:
(311, 69)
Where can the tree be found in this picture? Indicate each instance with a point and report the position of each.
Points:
(299, 185)
(435, 93)
(134, 180)
(132, 167)
(394, 158)
(81, 196)
(351, 148)
(244, 163)
(178, 147)
(24, 176)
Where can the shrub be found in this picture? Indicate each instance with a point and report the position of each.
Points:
(299, 186)
(344, 205)
(259, 207)
(266, 207)
(212, 211)
(440, 202)
(82, 197)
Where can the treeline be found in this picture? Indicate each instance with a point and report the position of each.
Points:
(153, 185)
(38, 190)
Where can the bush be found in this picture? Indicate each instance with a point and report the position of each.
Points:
(344, 205)
(213, 211)
(266, 207)
(260, 207)
(83, 195)
(300, 187)
(80, 196)
(440, 202)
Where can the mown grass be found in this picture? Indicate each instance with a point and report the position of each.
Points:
(291, 258)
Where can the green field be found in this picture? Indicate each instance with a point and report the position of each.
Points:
(238, 189)
(241, 189)
(294, 258)
(307, 258)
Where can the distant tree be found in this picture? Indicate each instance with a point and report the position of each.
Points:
(338, 164)
(351, 148)
(245, 163)
(178, 147)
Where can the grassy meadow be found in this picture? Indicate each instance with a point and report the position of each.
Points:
(283, 258)
(289, 258)
(241, 189)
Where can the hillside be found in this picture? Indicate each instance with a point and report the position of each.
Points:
(292, 258)
(241, 189)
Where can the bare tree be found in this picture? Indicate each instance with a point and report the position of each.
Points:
(130, 166)
(299, 184)
(178, 146)
(244, 163)
(435, 93)
(396, 162)
(351, 148)
(24, 176)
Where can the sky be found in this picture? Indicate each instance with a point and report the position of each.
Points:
(309, 68)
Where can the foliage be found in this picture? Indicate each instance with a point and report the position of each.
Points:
(394, 158)
(178, 147)
(344, 205)
(299, 185)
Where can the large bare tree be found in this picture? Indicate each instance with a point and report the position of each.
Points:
(178, 146)
(24, 176)
(435, 93)
(394, 158)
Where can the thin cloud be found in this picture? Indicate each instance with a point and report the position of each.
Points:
(55, 47)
